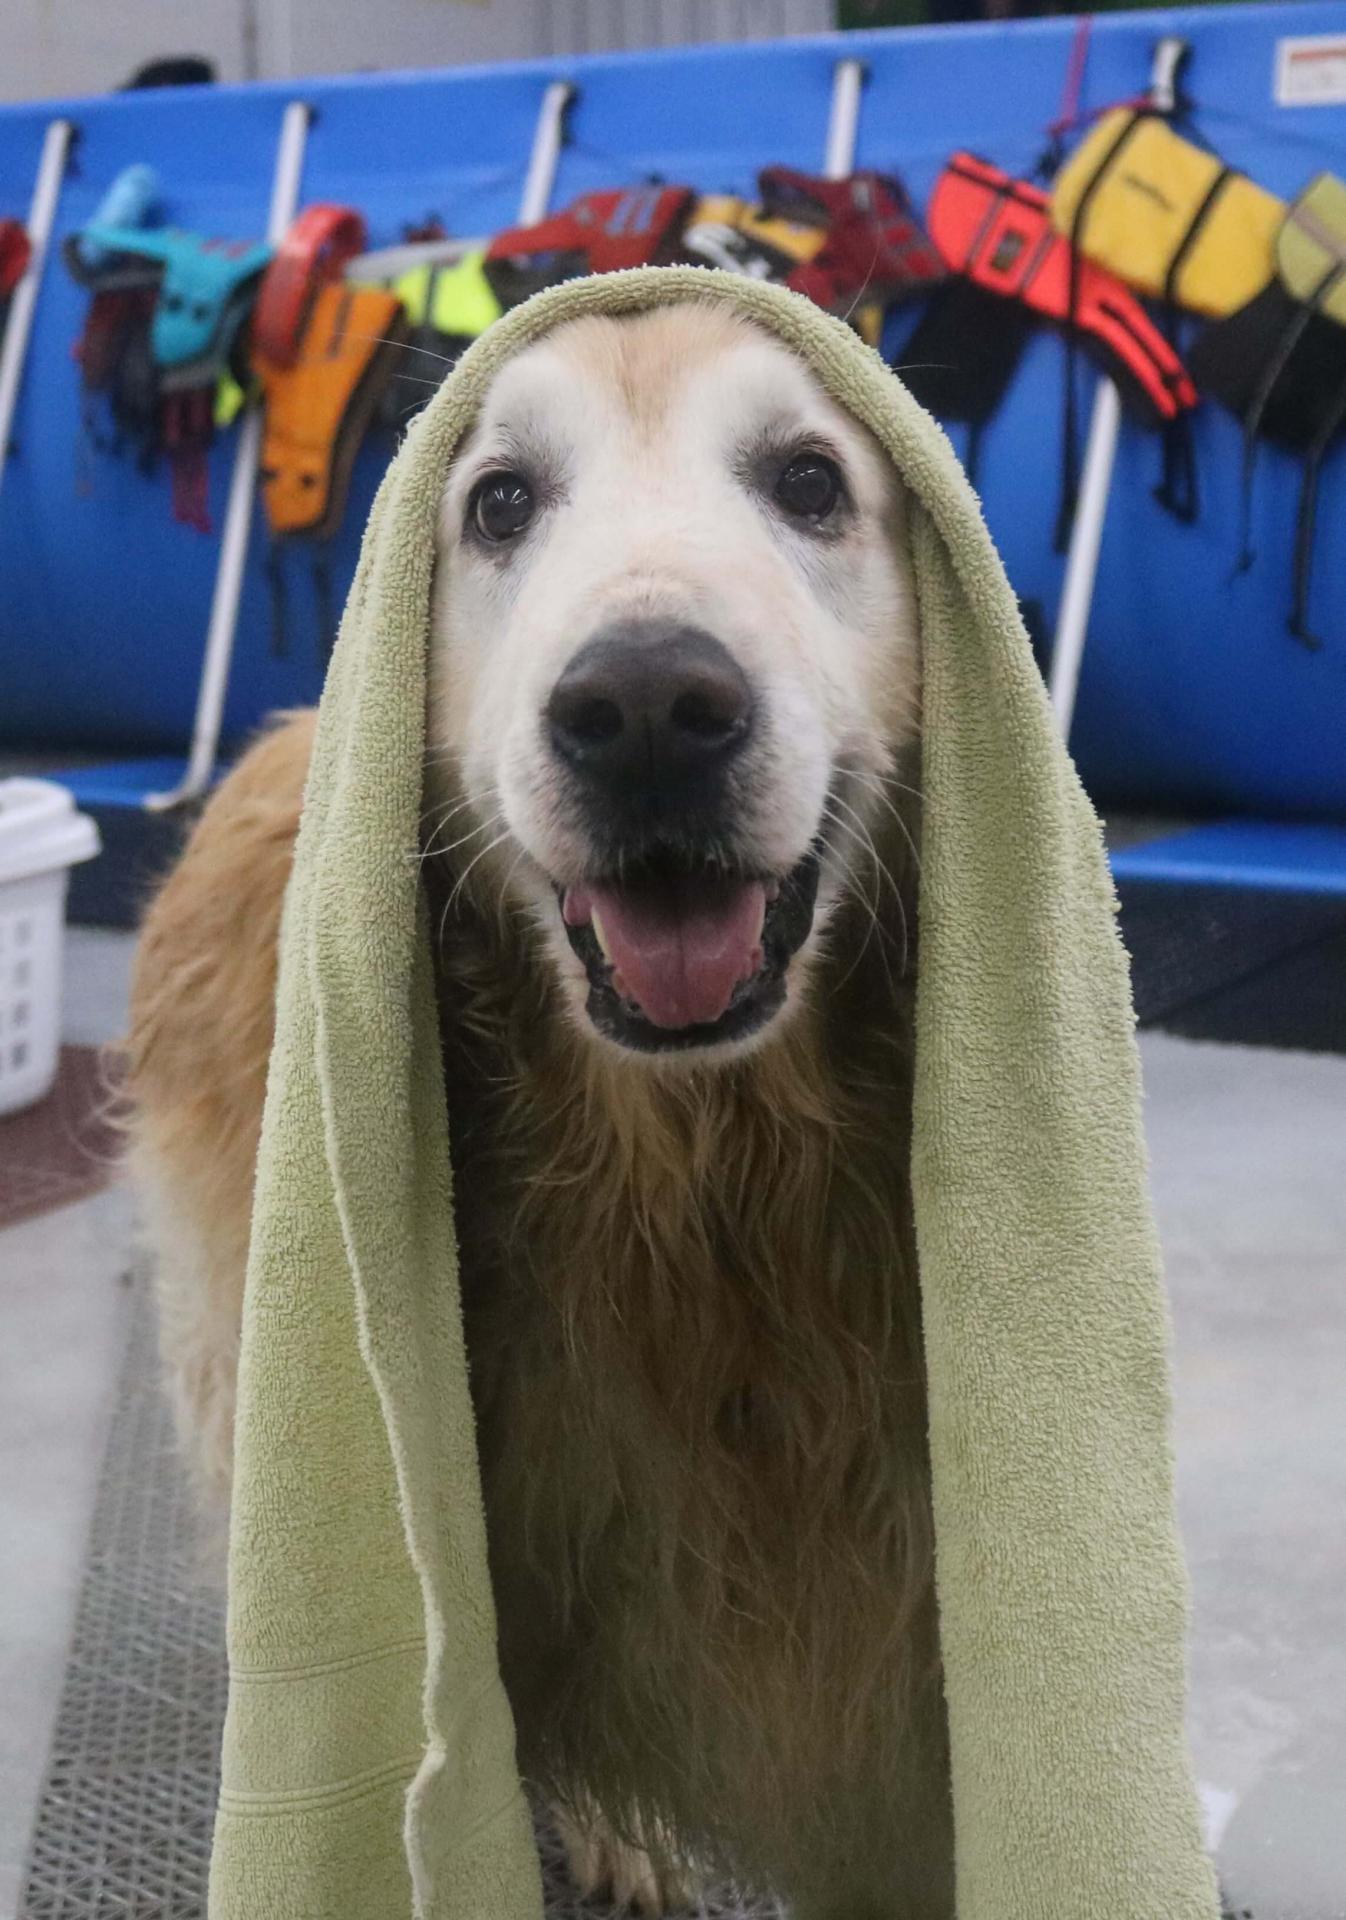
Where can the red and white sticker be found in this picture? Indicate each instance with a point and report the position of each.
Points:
(1311, 71)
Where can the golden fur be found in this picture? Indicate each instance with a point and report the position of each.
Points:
(693, 1327)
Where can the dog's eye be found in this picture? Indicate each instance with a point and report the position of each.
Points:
(502, 504)
(809, 487)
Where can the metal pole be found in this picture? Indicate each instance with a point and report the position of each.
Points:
(23, 301)
(1077, 592)
(1100, 454)
(542, 163)
(238, 512)
(844, 120)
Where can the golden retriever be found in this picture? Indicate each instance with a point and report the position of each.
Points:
(669, 849)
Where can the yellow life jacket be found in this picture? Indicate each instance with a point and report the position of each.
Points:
(1166, 216)
(738, 236)
(1279, 365)
(1311, 248)
(724, 231)
(454, 299)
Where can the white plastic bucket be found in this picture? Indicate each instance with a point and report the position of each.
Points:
(41, 838)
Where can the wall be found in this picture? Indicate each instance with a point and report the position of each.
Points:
(62, 47)
(56, 47)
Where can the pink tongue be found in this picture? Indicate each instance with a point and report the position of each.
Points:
(680, 949)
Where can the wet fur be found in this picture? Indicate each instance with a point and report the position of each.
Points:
(694, 1335)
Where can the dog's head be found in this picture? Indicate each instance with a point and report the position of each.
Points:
(673, 661)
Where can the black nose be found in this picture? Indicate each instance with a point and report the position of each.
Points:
(648, 707)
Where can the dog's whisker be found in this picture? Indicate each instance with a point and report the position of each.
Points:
(447, 806)
(462, 879)
(441, 853)
(434, 852)
(407, 346)
(883, 873)
(862, 836)
(866, 847)
(879, 793)
(865, 285)
(502, 892)
(434, 828)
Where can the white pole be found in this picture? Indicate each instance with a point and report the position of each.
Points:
(23, 301)
(546, 154)
(1100, 454)
(1077, 593)
(844, 120)
(238, 512)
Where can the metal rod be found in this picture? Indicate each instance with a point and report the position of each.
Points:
(23, 301)
(844, 120)
(1100, 454)
(1077, 592)
(237, 528)
(546, 154)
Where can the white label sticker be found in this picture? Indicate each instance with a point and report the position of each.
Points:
(1311, 71)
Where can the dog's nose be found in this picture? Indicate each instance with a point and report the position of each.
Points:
(648, 706)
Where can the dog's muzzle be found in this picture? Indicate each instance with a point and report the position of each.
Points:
(652, 722)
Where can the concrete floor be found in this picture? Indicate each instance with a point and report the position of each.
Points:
(62, 1326)
(1248, 1153)
(1249, 1159)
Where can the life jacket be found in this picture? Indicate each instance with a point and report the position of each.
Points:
(316, 248)
(738, 237)
(598, 233)
(1311, 248)
(994, 232)
(205, 291)
(317, 411)
(128, 206)
(14, 256)
(206, 288)
(113, 349)
(1279, 365)
(318, 407)
(755, 240)
(117, 368)
(113, 354)
(447, 301)
(1166, 216)
(455, 299)
(874, 247)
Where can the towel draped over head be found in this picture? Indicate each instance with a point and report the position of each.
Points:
(368, 1768)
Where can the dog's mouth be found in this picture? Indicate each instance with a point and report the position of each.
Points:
(680, 953)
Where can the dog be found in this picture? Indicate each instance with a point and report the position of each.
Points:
(670, 843)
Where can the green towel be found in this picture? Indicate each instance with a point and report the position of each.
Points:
(368, 1758)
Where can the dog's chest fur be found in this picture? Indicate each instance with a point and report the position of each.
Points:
(694, 1339)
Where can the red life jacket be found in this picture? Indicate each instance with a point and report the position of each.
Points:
(875, 247)
(998, 232)
(14, 253)
(598, 233)
(316, 247)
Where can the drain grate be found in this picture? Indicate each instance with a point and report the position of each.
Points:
(124, 1821)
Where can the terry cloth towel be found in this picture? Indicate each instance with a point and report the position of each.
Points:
(369, 1768)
